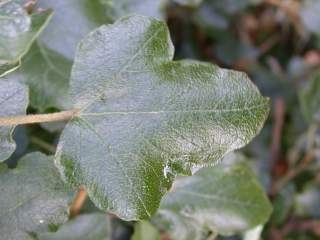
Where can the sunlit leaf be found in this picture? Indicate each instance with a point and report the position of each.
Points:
(144, 118)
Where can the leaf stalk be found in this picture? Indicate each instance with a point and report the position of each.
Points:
(38, 118)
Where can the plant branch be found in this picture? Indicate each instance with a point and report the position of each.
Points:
(38, 118)
(78, 202)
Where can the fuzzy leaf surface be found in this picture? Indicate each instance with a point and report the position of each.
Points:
(145, 118)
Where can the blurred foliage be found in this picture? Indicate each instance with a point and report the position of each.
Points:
(276, 42)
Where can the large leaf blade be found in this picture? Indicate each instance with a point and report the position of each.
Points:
(144, 118)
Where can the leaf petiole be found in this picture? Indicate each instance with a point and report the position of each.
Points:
(38, 118)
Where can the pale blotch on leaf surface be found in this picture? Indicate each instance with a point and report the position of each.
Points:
(145, 118)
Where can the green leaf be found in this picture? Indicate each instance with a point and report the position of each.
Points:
(310, 99)
(144, 230)
(13, 101)
(47, 75)
(32, 196)
(8, 67)
(145, 118)
(17, 32)
(94, 226)
(73, 19)
(226, 199)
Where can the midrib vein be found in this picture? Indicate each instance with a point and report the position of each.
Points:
(174, 111)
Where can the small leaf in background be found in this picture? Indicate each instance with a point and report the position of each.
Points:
(310, 99)
(32, 197)
(144, 230)
(145, 118)
(47, 75)
(226, 199)
(73, 19)
(13, 101)
(94, 226)
(17, 32)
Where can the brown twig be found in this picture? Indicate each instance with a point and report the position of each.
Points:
(38, 118)
(78, 202)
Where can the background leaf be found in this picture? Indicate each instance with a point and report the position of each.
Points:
(73, 19)
(144, 231)
(32, 197)
(13, 101)
(47, 75)
(18, 32)
(225, 199)
(93, 226)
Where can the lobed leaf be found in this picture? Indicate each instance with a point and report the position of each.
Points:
(13, 101)
(32, 197)
(225, 199)
(145, 118)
